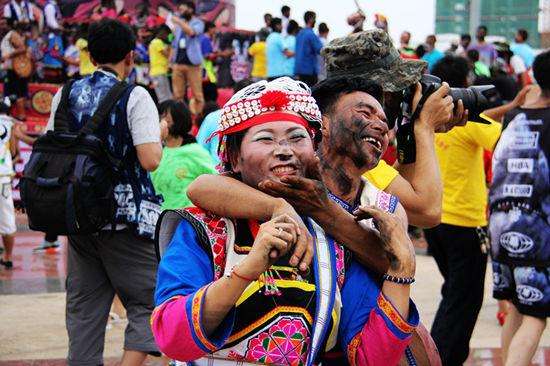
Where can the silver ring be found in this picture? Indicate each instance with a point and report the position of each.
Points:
(280, 231)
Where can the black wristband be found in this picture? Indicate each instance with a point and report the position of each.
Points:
(398, 280)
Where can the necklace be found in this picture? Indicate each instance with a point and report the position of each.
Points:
(271, 275)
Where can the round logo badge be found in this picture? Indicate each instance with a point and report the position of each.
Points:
(41, 101)
(516, 243)
(529, 294)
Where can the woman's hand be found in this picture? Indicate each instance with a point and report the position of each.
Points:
(303, 250)
(397, 244)
(274, 239)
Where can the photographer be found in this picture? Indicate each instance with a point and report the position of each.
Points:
(458, 243)
(371, 55)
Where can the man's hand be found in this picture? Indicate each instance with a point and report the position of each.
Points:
(393, 232)
(308, 196)
(459, 118)
(438, 112)
(303, 250)
(519, 100)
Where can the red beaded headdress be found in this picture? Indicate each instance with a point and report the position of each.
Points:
(282, 99)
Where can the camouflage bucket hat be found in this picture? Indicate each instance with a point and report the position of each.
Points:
(371, 54)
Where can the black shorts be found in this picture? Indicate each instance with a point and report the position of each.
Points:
(528, 288)
(14, 85)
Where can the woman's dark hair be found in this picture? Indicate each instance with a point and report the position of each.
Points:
(83, 30)
(275, 22)
(328, 91)
(309, 15)
(420, 51)
(163, 28)
(473, 55)
(523, 33)
(233, 148)
(210, 91)
(292, 27)
(109, 41)
(323, 28)
(541, 70)
(181, 117)
(452, 69)
(190, 4)
(208, 25)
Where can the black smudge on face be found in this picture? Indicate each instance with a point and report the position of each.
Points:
(339, 176)
(345, 138)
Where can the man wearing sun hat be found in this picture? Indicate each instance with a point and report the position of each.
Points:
(371, 55)
(228, 290)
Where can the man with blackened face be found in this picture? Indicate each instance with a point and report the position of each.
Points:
(357, 130)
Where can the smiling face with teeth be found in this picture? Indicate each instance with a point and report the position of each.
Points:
(356, 128)
(271, 151)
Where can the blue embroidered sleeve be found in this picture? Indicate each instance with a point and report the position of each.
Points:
(361, 294)
(184, 268)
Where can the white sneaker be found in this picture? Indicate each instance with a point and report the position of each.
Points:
(45, 246)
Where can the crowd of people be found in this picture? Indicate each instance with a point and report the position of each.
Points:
(299, 252)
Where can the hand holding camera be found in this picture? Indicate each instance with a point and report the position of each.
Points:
(415, 108)
(437, 110)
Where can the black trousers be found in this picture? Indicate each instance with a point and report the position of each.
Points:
(458, 254)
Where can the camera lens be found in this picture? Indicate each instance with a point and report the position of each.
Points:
(476, 99)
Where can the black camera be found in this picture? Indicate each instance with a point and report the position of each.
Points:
(476, 99)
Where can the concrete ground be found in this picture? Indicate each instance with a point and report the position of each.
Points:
(32, 324)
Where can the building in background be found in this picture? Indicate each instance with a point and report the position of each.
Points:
(502, 17)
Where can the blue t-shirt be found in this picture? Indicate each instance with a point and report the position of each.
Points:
(206, 45)
(210, 125)
(524, 51)
(308, 46)
(276, 59)
(432, 57)
(54, 51)
(290, 43)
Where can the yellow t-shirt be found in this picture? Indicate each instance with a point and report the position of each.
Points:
(86, 66)
(460, 155)
(158, 64)
(382, 175)
(259, 67)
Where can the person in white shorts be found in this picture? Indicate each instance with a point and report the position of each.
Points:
(8, 148)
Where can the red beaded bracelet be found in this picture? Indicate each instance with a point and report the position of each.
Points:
(233, 272)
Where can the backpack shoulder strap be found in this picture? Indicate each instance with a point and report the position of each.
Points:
(62, 115)
(105, 106)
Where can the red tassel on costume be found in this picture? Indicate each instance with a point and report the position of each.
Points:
(274, 98)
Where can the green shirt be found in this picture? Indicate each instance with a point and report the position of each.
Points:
(480, 69)
(178, 167)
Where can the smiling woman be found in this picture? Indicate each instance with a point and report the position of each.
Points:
(241, 292)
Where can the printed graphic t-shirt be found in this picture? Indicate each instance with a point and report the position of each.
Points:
(520, 193)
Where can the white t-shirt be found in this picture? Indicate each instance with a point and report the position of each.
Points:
(22, 12)
(50, 13)
(6, 164)
(517, 64)
(72, 52)
(7, 49)
(143, 117)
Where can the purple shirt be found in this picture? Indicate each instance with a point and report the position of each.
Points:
(487, 52)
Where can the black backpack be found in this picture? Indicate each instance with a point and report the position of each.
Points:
(67, 184)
